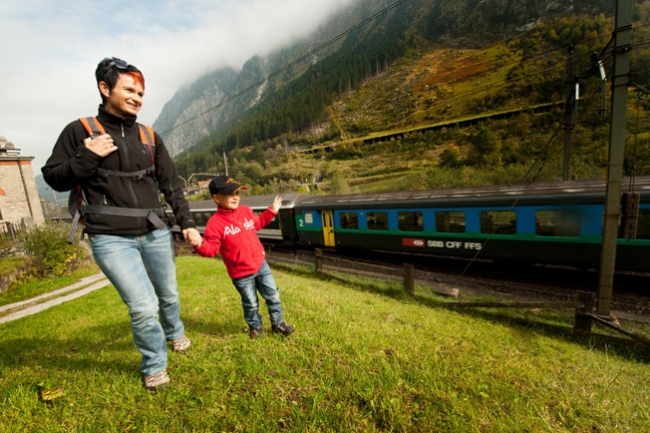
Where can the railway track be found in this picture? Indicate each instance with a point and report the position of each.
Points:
(631, 293)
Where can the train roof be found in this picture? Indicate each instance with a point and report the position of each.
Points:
(592, 191)
(257, 201)
(252, 201)
(584, 191)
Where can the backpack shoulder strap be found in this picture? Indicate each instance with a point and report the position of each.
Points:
(147, 138)
(146, 135)
(92, 125)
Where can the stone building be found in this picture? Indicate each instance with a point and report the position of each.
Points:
(19, 201)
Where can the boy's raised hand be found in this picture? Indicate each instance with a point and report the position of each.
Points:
(277, 202)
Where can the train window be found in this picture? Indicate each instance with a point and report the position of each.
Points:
(558, 222)
(377, 220)
(201, 218)
(274, 224)
(450, 222)
(643, 224)
(207, 216)
(502, 222)
(410, 221)
(349, 220)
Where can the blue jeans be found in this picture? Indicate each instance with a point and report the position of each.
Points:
(263, 282)
(142, 269)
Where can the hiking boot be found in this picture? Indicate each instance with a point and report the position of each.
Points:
(256, 333)
(157, 380)
(283, 328)
(182, 344)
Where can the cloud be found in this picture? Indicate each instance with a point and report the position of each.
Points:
(51, 48)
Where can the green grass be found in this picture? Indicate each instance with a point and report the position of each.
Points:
(363, 358)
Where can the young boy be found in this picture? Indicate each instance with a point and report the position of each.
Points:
(231, 233)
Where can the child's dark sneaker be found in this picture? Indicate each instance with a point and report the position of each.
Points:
(256, 333)
(283, 328)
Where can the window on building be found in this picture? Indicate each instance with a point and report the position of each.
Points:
(377, 220)
(557, 222)
(410, 221)
(450, 222)
(499, 222)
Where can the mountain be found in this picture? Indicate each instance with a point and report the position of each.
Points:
(188, 106)
(47, 193)
(221, 96)
(382, 35)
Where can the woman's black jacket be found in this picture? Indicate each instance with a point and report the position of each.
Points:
(72, 164)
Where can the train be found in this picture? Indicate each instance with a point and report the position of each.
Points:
(548, 223)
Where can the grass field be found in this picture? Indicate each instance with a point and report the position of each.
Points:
(362, 359)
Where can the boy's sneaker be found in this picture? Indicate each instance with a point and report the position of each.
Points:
(256, 333)
(283, 328)
(182, 344)
(157, 380)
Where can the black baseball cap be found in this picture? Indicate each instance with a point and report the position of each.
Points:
(223, 184)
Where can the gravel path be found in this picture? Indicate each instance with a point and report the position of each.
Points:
(32, 306)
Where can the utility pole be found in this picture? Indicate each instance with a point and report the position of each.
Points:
(44, 207)
(185, 182)
(620, 83)
(568, 113)
(56, 204)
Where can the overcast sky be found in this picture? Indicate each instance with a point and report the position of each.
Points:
(50, 48)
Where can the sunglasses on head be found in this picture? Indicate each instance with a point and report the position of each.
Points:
(119, 64)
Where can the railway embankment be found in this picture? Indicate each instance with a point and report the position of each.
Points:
(507, 291)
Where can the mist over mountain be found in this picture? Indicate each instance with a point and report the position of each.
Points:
(220, 98)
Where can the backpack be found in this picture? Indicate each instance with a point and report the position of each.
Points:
(77, 203)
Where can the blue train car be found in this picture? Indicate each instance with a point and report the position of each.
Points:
(552, 223)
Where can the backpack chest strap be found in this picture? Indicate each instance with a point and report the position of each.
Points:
(136, 174)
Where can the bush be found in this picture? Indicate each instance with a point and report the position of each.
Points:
(13, 269)
(50, 252)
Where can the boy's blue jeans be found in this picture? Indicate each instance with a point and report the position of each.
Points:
(142, 269)
(263, 282)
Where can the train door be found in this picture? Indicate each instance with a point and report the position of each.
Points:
(328, 228)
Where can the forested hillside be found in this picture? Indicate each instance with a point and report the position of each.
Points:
(407, 103)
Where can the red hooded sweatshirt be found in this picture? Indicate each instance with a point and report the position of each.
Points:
(231, 233)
